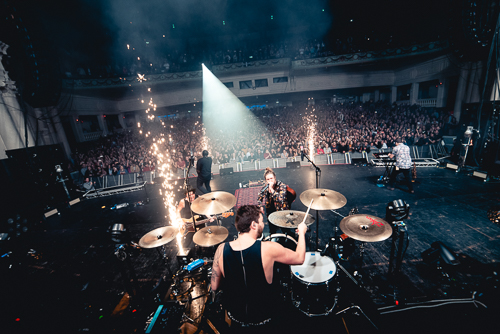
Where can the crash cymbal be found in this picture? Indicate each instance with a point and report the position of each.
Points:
(289, 218)
(213, 203)
(158, 237)
(210, 236)
(324, 199)
(366, 228)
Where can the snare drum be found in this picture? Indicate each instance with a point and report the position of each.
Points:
(281, 274)
(314, 287)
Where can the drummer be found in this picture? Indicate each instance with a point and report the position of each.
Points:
(243, 268)
(184, 213)
(272, 197)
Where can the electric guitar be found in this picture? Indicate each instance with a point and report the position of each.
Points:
(188, 222)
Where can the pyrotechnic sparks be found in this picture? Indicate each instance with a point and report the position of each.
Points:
(310, 120)
(141, 78)
(159, 149)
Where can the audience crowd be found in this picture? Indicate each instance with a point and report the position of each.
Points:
(281, 132)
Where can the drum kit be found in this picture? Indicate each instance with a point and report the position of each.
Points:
(212, 203)
(313, 286)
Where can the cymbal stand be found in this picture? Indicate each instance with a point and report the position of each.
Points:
(336, 229)
(186, 187)
(358, 309)
(361, 252)
(398, 235)
(128, 272)
(318, 175)
(355, 307)
(163, 254)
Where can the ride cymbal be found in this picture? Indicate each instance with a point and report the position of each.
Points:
(210, 236)
(158, 237)
(213, 203)
(366, 228)
(324, 199)
(289, 218)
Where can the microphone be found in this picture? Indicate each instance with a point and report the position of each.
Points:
(191, 159)
(301, 153)
(265, 188)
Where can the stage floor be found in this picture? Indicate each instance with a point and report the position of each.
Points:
(72, 280)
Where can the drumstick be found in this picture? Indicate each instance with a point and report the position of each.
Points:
(309, 208)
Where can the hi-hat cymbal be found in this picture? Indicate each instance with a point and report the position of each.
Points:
(210, 236)
(324, 199)
(366, 228)
(213, 203)
(289, 218)
(158, 237)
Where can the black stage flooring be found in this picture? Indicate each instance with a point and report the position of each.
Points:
(66, 275)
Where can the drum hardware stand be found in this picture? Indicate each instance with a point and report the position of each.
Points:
(336, 230)
(163, 254)
(355, 312)
(398, 236)
(123, 256)
(318, 174)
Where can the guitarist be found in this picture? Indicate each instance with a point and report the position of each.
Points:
(184, 211)
(273, 197)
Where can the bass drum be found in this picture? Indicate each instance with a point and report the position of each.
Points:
(281, 274)
(314, 288)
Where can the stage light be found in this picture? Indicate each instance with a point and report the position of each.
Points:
(397, 210)
(119, 233)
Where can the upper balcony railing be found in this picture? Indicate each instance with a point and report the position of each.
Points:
(269, 64)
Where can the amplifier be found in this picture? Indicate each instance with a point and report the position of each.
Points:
(226, 171)
(359, 161)
(294, 164)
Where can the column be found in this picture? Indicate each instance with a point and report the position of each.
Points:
(11, 137)
(102, 124)
(377, 95)
(442, 93)
(394, 94)
(414, 93)
(121, 120)
(461, 88)
(366, 97)
(77, 128)
(60, 134)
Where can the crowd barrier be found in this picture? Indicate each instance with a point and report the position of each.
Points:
(431, 154)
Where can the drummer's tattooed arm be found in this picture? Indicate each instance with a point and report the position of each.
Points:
(216, 269)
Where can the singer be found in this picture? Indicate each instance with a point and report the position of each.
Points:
(204, 170)
(272, 196)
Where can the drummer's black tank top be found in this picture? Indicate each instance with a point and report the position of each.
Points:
(253, 301)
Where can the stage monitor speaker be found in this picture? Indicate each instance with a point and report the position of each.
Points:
(359, 161)
(294, 164)
(226, 171)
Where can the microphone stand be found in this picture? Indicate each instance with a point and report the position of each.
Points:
(186, 188)
(318, 174)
